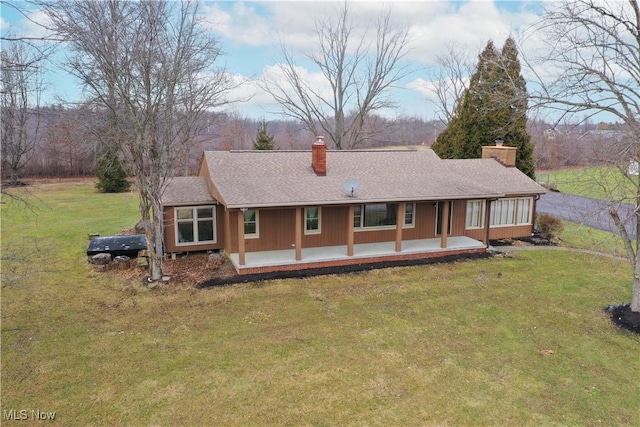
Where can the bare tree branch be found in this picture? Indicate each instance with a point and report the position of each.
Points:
(20, 74)
(357, 75)
(152, 66)
(593, 66)
(449, 79)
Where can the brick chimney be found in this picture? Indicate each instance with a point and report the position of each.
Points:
(319, 156)
(502, 153)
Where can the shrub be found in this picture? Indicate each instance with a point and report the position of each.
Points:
(111, 176)
(548, 224)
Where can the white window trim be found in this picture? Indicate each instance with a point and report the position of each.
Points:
(494, 210)
(529, 215)
(514, 220)
(413, 217)
(380, 227)
(319, 230)
(255, 235)
(194, 222)
(483, 208)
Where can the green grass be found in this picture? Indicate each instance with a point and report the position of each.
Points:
(582, 237)
(446, 344)
(604, 183)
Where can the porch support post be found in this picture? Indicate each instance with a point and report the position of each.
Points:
(399, 224)
(227, 231)
(298, 234)
(350, 231)
(445, 224)
(487, 222)
(241, 249)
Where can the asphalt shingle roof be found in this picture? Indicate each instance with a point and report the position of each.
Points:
(286, 178)
(184, 190)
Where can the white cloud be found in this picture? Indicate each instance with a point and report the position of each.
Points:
(4, 25)
(35, 25)
(432, 25)
(423, 87)
(242, 25)
(25, 23)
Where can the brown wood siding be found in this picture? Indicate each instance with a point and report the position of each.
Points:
(333, 228)
(232, 232)
(513, 232)
(170, 233)
(424, 223)
(459, 217)
(276, 230)
(374, 236)
(476, 233)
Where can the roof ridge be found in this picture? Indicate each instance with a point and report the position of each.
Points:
(359, 150)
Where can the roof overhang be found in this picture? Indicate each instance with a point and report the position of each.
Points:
(355, 200)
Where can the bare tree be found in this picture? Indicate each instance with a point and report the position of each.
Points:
(21, 89)
(449, 80)
(356, 73)
(594, 55)
(152, 66)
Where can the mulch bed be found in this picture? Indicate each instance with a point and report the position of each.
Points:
(622, 316)
(199, 271)
(299, 274)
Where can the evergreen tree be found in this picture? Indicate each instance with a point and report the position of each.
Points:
(111, 176)
(494, 106)
(263, 140)
(514, 89)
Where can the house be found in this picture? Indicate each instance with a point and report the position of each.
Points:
(290, 210)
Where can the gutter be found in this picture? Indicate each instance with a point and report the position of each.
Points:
(355, 200)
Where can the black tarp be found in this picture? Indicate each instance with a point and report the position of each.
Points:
(128, 245)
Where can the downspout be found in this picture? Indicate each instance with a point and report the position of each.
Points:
(533, 213)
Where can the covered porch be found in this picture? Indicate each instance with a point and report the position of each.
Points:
(331, 256)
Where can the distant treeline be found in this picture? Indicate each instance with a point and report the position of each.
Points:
(67, 146)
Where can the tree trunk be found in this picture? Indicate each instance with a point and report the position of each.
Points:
(635, 295)
(158, 251)
(632, 254)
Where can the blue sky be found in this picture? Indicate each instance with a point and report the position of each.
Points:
(251, 32)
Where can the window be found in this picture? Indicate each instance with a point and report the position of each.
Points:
(505, 212)
(524, 211)
(409, 218)
(357, 216)
(312, 220)
(195, 225)
(475, 214)
(251, 230)
(375, 216)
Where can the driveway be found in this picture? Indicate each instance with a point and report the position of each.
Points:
(583, 210)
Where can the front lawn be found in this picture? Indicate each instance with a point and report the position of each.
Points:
(519, 340)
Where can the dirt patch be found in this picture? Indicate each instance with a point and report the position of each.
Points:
(196, 268)
(187, 271)
(17, 184)
(622, 316)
